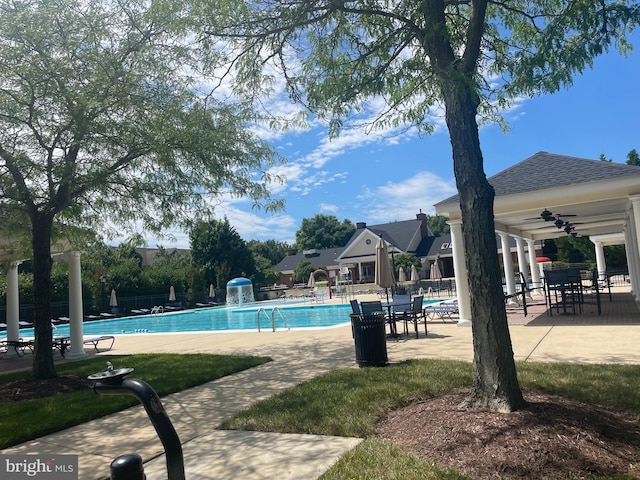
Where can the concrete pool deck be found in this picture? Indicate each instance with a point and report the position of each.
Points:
(299, 355)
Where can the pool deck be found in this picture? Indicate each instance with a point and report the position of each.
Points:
(299, 355)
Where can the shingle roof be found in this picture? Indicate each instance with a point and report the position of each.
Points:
(323, 258)
(549, 170)
(398, 233)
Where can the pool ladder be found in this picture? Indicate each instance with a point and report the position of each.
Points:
(264, 310)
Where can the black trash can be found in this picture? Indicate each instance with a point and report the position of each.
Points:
(370, 338)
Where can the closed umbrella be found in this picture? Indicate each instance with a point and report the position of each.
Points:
(415, 278)
(113, 301)
(172, 294)
(212, 291)
(402, 277)
(384, 277)
(435, 271)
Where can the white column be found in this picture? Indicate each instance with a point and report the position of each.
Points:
(508, 266)
(13, 307)
(631, 257)
(461, 274)
(533, 265)
(522, 261)
(75, 307)
(600, 260)
(635, 235)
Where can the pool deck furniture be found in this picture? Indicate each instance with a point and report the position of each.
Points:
(443, 311)
(96, 342)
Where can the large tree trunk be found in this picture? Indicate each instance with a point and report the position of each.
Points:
(42, 225)
(495, 382)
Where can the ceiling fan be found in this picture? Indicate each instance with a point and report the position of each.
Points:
(549, 216)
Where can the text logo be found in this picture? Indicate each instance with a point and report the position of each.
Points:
(50, 467)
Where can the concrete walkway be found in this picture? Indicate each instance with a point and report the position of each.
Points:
(298, 356)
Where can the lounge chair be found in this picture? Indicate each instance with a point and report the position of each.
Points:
(96, 341)
(443, 311)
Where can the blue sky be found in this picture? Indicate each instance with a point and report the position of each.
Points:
(377, 179)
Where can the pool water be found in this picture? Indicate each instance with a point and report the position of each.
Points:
(217, 319)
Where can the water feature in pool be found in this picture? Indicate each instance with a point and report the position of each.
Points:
(217, 319)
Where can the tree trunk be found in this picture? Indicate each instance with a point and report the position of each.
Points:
(42, 225)
(495, 382)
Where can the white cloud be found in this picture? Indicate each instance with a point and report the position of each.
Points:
(392, 201)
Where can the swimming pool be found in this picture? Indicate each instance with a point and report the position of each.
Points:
(217, 319)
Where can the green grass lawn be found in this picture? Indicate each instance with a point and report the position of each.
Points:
(166, 373)
(350, 402)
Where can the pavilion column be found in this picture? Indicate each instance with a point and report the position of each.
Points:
(461, 274)
(75, 307)
(533, 265)
(13, 307)
(635, 207)
(601, 263)
(523, 267)
(508, 266)
(632, 261)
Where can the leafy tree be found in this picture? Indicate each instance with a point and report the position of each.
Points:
(406, 261)
(603, 158)
(271, 250)
(220, 252)
(633, 158)
(437, 225)
(172, 268)
(469, 57)
(575, 250)
(303, 271)
(323, 231)
(101, 119)
(615, 257)
(265, 274)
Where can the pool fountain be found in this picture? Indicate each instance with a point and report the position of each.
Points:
(239, 291)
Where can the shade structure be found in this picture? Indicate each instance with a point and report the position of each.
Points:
(402, 277)
(172, 294)
(435, 271)
(212, 291)
(415, 277)
(113, 300)
(384, 277)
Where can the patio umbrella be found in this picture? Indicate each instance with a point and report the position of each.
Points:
(113, 301)
(172, 294)
(435, 271)
(312, 281)
(212, 291)
(402, 277)
(384, 277)
(415, 278)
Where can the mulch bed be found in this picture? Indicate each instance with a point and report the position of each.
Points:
(32, 389)
(552, 438)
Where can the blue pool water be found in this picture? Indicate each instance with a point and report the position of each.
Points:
(216, 319)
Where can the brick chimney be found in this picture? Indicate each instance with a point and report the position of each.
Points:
(361, 225)
(424, 229)
(291, 252)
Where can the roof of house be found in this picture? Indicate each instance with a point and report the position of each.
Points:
(317, 257)
(550, 170)
(400, 233)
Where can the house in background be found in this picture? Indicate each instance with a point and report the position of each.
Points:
(319, 258)
(411, 237)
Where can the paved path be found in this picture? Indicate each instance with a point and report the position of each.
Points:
(298, 356)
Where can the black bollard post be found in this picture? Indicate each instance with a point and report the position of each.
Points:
(128, 467)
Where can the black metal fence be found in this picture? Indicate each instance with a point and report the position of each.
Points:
(125, 305)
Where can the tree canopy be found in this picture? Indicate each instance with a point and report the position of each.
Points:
(219, 250)
(324, 231)
(103, 121)
(404, 64)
